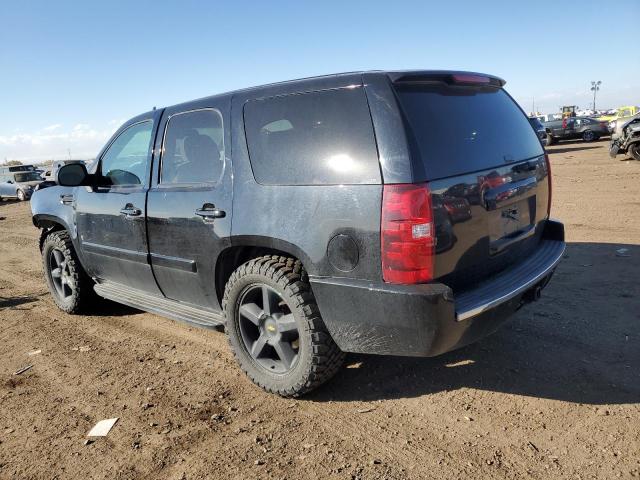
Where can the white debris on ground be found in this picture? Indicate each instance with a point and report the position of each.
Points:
(102, 428)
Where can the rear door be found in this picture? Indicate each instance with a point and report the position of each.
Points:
(189, 204)
(486, 170)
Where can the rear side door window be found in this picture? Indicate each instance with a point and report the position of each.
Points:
(316, 138)
(193, 148)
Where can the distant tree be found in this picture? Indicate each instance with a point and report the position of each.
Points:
(14, 162)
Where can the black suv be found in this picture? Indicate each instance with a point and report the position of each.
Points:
(395, 213)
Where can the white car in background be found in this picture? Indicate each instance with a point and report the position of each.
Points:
(585, 113)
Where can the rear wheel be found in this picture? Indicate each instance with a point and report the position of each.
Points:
(70, 286)
(634, 151)
(20, 195)
(275, 329)
(588, 136)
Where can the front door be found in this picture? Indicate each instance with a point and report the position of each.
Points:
(189, 203)
(111, 216)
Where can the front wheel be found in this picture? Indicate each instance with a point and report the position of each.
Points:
(70, 287)
(21, 196)
(588, 136)
(275, 329)
(634, 151)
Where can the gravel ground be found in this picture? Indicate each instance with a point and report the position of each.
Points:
(553, 394)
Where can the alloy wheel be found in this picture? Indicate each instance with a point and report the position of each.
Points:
(268, 329)
(60, 274)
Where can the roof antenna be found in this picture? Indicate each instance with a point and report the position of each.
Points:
(154, 107)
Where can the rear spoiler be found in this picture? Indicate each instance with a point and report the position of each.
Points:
(449, 77)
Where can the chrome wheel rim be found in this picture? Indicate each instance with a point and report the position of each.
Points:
(268, 329)
(60, 274)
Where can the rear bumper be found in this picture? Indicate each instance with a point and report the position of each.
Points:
(428, 319)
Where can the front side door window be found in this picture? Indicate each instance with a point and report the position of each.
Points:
(125, 163)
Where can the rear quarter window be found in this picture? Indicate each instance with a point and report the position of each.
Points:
(316, 138)
(458, 130)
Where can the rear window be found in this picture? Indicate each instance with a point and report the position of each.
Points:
(317, 138)
(458, 130)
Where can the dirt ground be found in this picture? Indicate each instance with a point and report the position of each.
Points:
(554, 394)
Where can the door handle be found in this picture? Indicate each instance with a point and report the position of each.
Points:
(66, 199)
(130, 211)
(209, 211)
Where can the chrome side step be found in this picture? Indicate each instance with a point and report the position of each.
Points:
(159, 305)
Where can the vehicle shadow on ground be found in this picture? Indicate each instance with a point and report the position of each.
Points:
(9, 201)
(15, 301)
(569, 150)
(107, 308)
(604, 140)
(579, 343)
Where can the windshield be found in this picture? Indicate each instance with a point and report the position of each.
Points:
(27, 177)
(460, 130)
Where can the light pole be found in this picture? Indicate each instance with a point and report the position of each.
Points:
(595, 86)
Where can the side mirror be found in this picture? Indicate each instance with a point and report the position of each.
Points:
(73, 175)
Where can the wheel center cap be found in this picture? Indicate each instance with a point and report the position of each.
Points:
(270, 326)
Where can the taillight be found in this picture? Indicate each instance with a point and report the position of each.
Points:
(546, 159)
(407, 234)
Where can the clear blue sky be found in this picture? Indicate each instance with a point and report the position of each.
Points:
(71, 71)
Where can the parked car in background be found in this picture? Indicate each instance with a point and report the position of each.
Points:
(626, 114)
(626, 138)
(20, 185)
(620, 112)
(618, 125)
(314, 217)
(549, 117)
(585, 113)
(17, 168)
(539, 129)
(588, 129)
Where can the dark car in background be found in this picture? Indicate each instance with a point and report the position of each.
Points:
(588, 129)
(539, 129)
(314, 217)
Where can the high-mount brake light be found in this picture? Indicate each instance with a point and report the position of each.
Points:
(471, 79)
(407, 234)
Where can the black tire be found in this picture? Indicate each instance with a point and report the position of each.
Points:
(71, 287)
(550, 139)
(634, 151)
(21, 196)
(317, 357)
(589, 136)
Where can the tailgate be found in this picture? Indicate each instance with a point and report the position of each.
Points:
(488, 220)
(486, 171)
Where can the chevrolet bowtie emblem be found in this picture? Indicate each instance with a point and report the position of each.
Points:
(271, 328)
